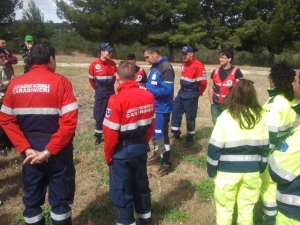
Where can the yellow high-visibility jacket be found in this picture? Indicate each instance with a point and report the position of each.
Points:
(280, 117)
(236, 150)
(284, 169)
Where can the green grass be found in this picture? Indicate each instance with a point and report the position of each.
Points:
(19, 220)
(197, 161)
(205, 189)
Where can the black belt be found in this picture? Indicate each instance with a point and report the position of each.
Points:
(132, 141)
(189, 89)
(37, 135)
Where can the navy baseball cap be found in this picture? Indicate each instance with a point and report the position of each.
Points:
(105, 46)
(187, 49)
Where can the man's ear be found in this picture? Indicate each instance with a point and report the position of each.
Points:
(52, 63)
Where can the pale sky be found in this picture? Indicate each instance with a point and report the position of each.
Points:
(47, 7)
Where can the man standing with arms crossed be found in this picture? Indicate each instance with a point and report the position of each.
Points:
(102, 79)
(39, 114)
(128, 127)
(222, 80)
(161, 84)
(192, 85)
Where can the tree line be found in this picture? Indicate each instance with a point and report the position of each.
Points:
(245, 25)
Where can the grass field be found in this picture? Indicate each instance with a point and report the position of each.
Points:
(182, 197)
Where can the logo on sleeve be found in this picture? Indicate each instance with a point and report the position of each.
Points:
(139, 78)
(284, 147)
(108, 113)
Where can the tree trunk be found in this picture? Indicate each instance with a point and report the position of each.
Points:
(114, 53)
(272, 58)
(171, 53)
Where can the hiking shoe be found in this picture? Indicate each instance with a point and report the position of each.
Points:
(97, 141)
(189, 141)
(153, 160)
(3, 152)
(175, 137)
(164, 169)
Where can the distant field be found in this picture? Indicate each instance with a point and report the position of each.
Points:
(182, 197)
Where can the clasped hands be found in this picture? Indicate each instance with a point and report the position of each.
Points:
(34, 157)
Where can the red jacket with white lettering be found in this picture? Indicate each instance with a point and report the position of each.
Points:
(40, 103)
(129, 122)
(102, 76)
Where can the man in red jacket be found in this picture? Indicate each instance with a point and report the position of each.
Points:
(140, 74)
(192, 85)
(102, 79)
(222, 80)
(39, 114)
(128, 127)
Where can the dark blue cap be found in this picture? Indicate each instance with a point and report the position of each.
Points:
(105, 46)
(187, 49)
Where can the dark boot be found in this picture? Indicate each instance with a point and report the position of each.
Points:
(164, 169)
(189, 141)
(98, 140)
(165, 165)
(154, 160)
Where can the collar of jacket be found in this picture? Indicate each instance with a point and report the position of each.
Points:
(190, 62)
(163, 59)
(271, 92)
(43, 67)
(127, 85)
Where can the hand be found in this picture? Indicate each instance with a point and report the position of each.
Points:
(143, 88)
(40, 158)
(5, 82)
(30, 154)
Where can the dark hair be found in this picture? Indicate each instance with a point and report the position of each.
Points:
(282, 75)
(130, 56)
(242, 104)
(227, 52)
(41, 52)
(151, 48)
(1, 38)
(126, 71)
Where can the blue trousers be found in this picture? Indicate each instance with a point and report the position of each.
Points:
(128, 187)
(189, 107)
(160, 139)
(216, 111)
(59, 176)
(99, 113)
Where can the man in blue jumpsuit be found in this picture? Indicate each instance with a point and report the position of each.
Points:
(161, 84)
(192, 85)
(128, 127)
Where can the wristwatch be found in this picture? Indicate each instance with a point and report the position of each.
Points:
(46, 153)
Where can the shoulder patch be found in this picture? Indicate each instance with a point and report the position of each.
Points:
(108, 113)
